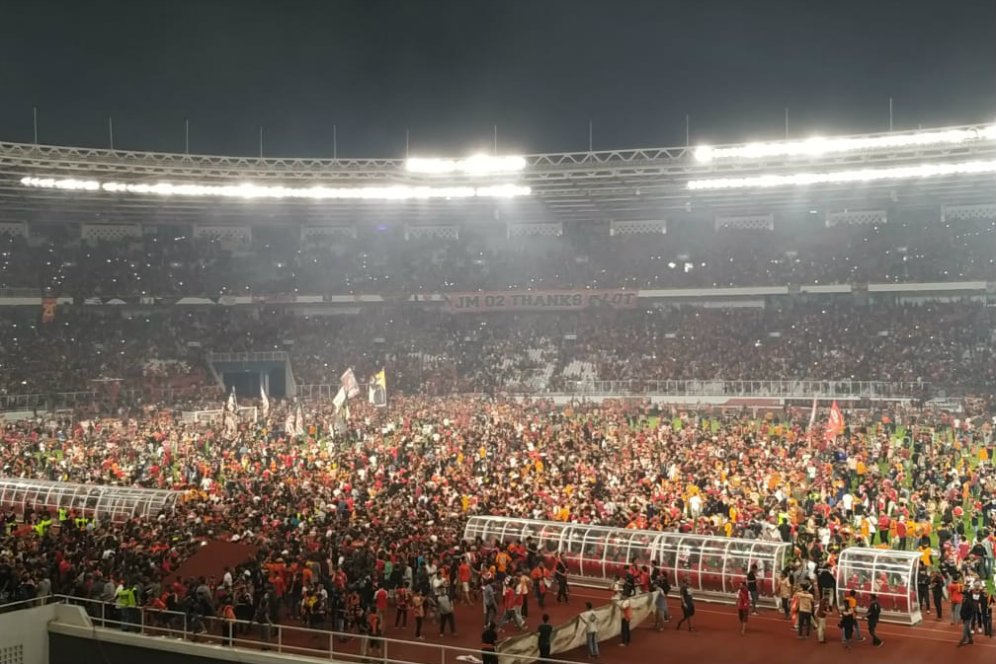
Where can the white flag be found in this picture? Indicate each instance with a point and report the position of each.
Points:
(231, 406)
(339, 399)
(265, 402)
(230, 416)
(348, 381)
(812, 416)
(299, 423)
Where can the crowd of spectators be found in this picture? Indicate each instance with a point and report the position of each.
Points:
(431, 352)
(172, 263)
(365, 504)
(335, 517)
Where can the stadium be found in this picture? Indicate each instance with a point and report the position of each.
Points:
(499, 406)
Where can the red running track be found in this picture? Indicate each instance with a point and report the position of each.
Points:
(716, 636)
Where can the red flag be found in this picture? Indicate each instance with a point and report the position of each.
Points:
(835, 425)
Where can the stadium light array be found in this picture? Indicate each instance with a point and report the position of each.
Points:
(862, 176)
(253, 191)
(478, 165)
(818, 146)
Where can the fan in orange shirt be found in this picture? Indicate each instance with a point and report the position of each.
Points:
(501, 562)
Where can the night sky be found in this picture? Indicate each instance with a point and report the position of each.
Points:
(449, 70)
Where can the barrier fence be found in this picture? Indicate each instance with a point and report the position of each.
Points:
(784, 389)
(790, 389)
(52, 401)
(256, 356)
(297, 641)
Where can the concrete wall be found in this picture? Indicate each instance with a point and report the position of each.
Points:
(24, 635)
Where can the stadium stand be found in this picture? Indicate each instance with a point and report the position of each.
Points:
(171, 263)
(580, 414)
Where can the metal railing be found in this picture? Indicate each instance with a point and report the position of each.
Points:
(26, 292)
(786, 389)
(317, 390)
(262, 356)
(54, 401)
(252, 635)
(60, 400)
(793, 389)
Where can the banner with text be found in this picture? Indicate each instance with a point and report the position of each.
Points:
(558, 300)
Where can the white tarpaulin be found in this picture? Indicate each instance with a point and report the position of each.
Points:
(570, 635)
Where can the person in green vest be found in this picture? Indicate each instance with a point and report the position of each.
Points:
(41, 528)
(126, 602)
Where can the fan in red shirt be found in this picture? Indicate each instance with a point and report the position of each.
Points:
(743, 606)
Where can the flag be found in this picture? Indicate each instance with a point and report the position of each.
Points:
(289, 423)
(378, 389)
(340, 422)
(299, 422)
(264, 402)
(339, 399)
(348, 382)
(230, 416)
(812, 416)
(835, 424)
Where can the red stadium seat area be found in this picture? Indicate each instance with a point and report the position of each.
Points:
(163, 351)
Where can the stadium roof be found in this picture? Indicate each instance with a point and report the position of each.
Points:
(620, 185)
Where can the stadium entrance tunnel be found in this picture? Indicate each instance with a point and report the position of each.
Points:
(247, 373)
(92, 501)
(712, 566)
